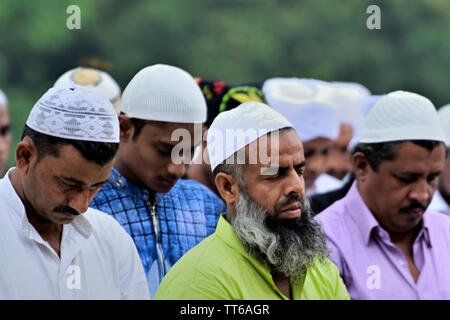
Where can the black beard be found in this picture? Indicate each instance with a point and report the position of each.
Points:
(288, 246)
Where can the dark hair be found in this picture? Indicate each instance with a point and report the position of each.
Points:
(138, 124)
(379, 152)
(99, 152)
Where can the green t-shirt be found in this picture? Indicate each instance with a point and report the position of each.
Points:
(220, 268)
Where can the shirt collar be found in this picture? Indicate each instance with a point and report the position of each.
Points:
(134, 191)
(360, 213)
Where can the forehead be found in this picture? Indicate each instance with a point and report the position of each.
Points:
(71, 163)
(286, 147)
(171, 133)
(410, 157)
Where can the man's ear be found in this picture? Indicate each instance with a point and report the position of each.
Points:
(228, 189)
(361, 165)
(126, 128)
(26, 155)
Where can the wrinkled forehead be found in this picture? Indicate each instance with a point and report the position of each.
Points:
(170, 133)
(279, 148)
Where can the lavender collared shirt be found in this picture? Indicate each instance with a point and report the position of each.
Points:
(372, 267)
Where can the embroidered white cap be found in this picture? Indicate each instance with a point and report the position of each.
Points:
(444, 117)
(402, 115)
(75, 113)
(94, 80)
(164, 93)
(307, 103)
(234, 129)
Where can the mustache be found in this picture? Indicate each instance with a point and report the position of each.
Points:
(66, 209)
(412, 206)
(291, 199)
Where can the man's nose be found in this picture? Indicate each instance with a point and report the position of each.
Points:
(294, 184)
(421, 192)
(80, 201)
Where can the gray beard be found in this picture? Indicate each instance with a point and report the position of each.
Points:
(287, 246)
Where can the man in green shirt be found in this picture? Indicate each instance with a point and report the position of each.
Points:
(266, 246)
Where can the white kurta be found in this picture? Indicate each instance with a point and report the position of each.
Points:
(438, 204)
(98, 258)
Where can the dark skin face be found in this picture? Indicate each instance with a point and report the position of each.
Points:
(5, 139)
(55, 190)
(147, 160)
(398, 193)
(317, 155)
(270, 191)
(339, 163)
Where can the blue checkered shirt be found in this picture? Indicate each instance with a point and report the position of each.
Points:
(184, 216)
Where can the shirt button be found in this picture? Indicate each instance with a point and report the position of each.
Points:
(401, 262)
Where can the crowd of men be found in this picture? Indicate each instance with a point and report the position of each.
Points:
(184, 188)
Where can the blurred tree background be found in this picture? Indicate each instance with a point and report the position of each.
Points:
(230, 40)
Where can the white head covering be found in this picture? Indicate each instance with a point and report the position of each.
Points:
(3, 98)
(350, 98)
(444, 117)
(75, 113)
(402, 115)
(307, 103)
(95, 80)
(226, 135)
(368, 105)
(164, 93)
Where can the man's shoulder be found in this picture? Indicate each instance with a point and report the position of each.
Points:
(335, 213)
(104, 225)
(194, 196)
(193, 188)
(438, 220)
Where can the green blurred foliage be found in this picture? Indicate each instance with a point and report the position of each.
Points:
(230, 40)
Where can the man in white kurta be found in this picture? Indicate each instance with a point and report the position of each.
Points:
(52, 246)
(98, 258)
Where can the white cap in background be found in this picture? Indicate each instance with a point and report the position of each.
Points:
(307, 104)
(94, 80)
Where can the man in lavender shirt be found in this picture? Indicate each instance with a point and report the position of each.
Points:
(383, 240)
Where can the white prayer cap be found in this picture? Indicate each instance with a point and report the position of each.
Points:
(350, 98)
(444, 117)
(368, 105)
(3, 98)
(307, 103)
(370, 102)
(95, 80)
(164, 93)
(402, 115)
(75, 113)
(234, 129)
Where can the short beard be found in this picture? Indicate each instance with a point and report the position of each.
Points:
(287, 246)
